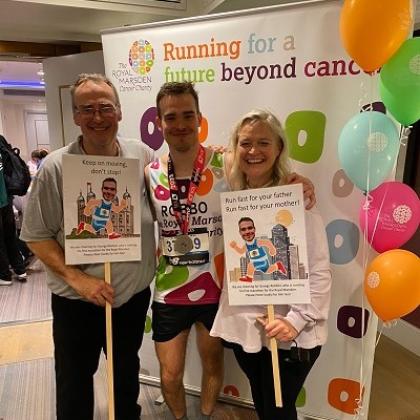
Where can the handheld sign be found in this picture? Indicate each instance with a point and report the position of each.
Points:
(102, 222)
(265, 246)
(101, 209)
(266, 254)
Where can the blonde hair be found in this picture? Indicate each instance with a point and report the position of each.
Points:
(236, 178)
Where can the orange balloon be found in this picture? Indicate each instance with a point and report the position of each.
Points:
(373, 30)
(392, 284)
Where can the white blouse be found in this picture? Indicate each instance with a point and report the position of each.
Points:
(238, 324)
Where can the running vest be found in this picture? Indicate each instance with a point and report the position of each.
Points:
(190, 284)
(101, 215)
(258, 256)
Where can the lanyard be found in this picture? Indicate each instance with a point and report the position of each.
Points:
(182, 213)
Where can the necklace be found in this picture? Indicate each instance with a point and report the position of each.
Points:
(270, 183)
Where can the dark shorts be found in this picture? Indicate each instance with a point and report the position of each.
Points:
(169, 320)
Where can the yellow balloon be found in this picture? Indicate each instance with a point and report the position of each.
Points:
(392, 284)
(284, 217)
(373, 30)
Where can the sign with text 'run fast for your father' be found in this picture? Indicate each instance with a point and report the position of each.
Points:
(265, 246)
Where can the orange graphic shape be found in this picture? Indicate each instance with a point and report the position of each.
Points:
(343, 395)
(206, 182)
(204, 130)
(284, 217)
(231, 390)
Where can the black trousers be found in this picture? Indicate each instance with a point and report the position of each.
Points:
(9, 252)
(22, 247)
(79, 335)
(258, 369)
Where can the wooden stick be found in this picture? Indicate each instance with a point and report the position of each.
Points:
(109, 352)
(275, 361)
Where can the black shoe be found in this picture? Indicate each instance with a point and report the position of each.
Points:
(29, 260)
(22, 277)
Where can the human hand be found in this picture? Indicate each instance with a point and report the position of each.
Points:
(217, 148)
(93, 289)
(308, 188)
(233, 244)
(280, 329)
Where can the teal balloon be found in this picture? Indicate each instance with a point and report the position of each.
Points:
(367, 149)
(399, 83)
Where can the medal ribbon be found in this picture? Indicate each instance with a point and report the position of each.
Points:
(182, 214)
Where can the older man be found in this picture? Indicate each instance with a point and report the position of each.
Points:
(79, 293)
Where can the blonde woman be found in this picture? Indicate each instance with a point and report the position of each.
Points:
(259, 159)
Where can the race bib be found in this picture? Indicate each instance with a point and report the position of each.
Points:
(191, 249)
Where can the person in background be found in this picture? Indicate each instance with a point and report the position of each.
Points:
(9, 252)
(258, 160)
(19, 204)
(42, 155)
(79, 293)
(33, 163)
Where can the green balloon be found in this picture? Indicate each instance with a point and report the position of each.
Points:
(403, 110)
(399, 83)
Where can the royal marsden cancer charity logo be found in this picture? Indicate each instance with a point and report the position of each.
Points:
(141, 56)
(135, 75)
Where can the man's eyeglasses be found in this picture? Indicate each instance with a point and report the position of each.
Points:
(90, 111)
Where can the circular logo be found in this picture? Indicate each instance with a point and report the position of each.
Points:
(141, 56)
(402, 214)
(377, 142)
(373, 279)
(414, 64)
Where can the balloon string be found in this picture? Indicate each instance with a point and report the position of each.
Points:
(359, 411)
(379, 336)
(368, 201)
(404, 135)
(377, 218)
(363, 97)
(403, 140)
(390, 324)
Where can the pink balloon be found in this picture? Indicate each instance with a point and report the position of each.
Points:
(393, 216)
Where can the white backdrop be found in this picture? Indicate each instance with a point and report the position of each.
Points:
(288, 59)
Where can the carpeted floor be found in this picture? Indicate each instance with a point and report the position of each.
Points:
(26, 389)
(24, 342)
(27, 385)
(27, 393)
(26, 301)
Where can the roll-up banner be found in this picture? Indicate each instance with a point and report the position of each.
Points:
(288, 59)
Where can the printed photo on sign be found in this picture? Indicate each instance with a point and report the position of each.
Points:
(101, 209)
(265, 246)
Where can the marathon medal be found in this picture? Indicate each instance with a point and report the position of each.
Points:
(183, 244)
